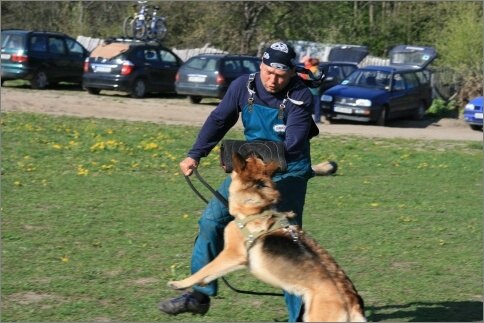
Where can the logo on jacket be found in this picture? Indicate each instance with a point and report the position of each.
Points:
(279, 128)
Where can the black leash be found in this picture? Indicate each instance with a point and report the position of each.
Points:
(224, 201)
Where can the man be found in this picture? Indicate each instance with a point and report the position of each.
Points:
(274, 105)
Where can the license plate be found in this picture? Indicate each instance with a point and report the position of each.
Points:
(6, 56)
(197, 79)
(343, 110)
(478, 115)
(102, 69)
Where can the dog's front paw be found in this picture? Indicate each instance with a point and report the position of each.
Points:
(175, 285)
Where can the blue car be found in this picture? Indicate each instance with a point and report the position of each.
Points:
(376, 94)
(473, 113)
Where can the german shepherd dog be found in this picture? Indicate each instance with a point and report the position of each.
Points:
(262, 240)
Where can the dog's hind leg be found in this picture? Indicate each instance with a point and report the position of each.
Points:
(232, 258)
(323, 305)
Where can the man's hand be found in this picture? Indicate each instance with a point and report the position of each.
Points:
(186, 165)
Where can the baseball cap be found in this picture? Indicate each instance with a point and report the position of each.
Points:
(280, 56)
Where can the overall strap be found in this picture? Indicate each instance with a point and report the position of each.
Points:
(250, 88)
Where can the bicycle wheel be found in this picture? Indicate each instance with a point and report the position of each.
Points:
(128, 27)
(139, 30)
(159, 31)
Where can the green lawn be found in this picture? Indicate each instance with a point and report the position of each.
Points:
(96, 218)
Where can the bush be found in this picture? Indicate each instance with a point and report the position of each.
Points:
(442, 109)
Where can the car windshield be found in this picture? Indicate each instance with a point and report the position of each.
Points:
(369, 79)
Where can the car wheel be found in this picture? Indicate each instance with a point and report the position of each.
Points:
(382, 117)
(420, 113)
(39, 81)
(138, 90)
(91, 90)
(328, 119)
(195, 99)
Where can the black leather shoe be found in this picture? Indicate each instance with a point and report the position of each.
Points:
(184, 304)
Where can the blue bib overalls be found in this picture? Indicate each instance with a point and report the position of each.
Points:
(260, 123)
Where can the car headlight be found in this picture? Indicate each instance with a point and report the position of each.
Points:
(469, 106)
(326, 98)
(363, 103)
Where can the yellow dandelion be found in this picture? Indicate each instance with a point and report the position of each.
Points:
(374, 204)
(185, 216)
(17, 183)
(64, 259)
(441, 242)
(57, 146)
(134, 165)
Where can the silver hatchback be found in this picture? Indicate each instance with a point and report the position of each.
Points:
(209, 75)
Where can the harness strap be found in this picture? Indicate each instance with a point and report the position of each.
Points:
(281, 222)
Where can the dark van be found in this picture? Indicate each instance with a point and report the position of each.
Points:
(43, 58)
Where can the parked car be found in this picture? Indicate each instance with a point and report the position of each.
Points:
(135, 67)
(381, 93)
(43, 58)
(473, 113)
(209, 75)
(341, 62)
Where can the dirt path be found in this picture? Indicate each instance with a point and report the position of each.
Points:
(176, 110)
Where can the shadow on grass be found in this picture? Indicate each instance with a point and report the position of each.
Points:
(468, 311)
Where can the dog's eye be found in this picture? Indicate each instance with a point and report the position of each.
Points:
(260, 184)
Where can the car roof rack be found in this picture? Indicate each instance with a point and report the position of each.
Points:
(121, 39)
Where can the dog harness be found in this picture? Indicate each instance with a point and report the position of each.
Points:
(281, 223)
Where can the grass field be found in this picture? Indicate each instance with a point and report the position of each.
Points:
(96, 218)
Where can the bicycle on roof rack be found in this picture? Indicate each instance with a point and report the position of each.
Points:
(145, 24)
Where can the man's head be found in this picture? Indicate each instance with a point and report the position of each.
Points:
(278, 66)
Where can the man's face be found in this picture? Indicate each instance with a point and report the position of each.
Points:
(274, 80)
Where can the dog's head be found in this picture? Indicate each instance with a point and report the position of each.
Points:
(252, 189)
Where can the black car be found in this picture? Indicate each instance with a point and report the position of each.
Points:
(381, 93)
(43, 58)
(209, 75)
(135, 67)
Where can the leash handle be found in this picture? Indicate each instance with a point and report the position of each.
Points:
(219, 196)
(194, 189)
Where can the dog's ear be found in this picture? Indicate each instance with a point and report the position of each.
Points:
(272, 167)
(239, 162)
